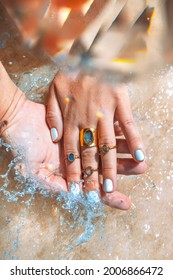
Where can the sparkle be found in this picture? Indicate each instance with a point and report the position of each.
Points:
(68, 99)
(49, 166)
(100, 114)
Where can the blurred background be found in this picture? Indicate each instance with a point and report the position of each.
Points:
(111, 34)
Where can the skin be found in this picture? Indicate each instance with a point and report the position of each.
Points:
(76, 104)
(23, 122)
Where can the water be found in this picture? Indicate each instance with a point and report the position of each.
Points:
(67, 226)
(84, 209)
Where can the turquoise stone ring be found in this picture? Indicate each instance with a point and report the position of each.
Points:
(71, 157)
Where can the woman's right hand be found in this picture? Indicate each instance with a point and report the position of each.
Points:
(87, 103)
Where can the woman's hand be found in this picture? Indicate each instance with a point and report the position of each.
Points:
(25, 126)
(23, 123)
(87, 103)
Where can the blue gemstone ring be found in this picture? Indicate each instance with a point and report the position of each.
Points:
(104, 149)
(88, 137)
(71, 157)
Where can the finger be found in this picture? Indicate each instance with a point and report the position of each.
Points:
(48, 173)
(54, 117)
(50, 182)
(117, 200)
(122, 147)
(128, 166)
(109, 168)
(90, 162)
(128, 125)
(71, 150)
(118, 130)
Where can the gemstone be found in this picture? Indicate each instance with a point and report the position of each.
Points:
(88, 171)
(88, 137)
(71, 157)
(105, 149)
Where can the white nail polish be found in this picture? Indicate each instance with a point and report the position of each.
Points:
(54, 133)
(108, 185)
(139, 155)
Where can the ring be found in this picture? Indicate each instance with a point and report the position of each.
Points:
(104, 149)
(88, 171)
(88, 137)
(71, 157)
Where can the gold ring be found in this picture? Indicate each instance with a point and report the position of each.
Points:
(71, 157)
(88, 137)
(88, 171)
(104, 149)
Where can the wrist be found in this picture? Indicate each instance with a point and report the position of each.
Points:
(9, 93)
(11, 100)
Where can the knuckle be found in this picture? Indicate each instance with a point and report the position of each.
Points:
(92, 179)
(73, 174)
(60, 85)
(108, 169)
(69, 149)
(51, 115)
(121, 88)
(121, 92)
(134, 139)
(59, 78)
(88, 154)
(128, 123)
(105, 139)
(87, 82)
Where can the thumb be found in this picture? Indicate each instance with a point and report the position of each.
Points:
(54, 118)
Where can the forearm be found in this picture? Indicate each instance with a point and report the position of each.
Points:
(9, 93)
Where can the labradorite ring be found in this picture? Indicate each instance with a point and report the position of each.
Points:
(88, 137)
(71, 157)
(104, 149)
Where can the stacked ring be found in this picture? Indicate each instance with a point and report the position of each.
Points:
(88, 139)
(104, 149)
(71, 157)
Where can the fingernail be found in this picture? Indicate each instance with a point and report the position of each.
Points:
(108, 186)
(139, 155)
(54, 133)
